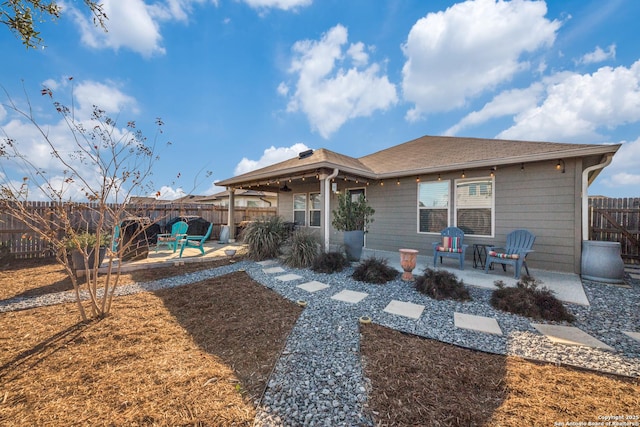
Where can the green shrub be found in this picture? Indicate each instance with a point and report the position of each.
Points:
(374, 270)
(264, 237)
(330, 262)
(304, 249)
(527, 299)
(441, 284)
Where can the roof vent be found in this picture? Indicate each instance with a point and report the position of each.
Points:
(305, 154)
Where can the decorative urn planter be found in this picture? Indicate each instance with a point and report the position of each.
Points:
(601, 262)
(408, 259)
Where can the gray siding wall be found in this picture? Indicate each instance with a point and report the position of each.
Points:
(539, 198)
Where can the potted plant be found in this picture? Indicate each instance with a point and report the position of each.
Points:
(352, 218)
(84, 243)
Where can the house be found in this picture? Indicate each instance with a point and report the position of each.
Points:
(246, 198)
(243, 198)
(487, 187)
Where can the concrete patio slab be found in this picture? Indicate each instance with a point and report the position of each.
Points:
(267, 262)
(569, 335)
(313, 286)
(472, 322)
(352, 297)
(273, 270)
(566, 286)
(288, 277)
(406, 309)
(634, 335)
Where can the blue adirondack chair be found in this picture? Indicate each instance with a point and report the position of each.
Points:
(171, 240)
(519, 244)
(195, 241)
(451, 246)
(115, 240)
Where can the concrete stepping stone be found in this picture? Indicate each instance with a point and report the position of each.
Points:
(267, 262)
(313, 286)
(634, 335)
(288, 277)
(569, 335)
(352, 297)
(273, 270)
(472, 322)
(406, 309)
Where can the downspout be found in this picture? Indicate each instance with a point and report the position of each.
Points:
(327, 207)
(585, 195)
(266, 201)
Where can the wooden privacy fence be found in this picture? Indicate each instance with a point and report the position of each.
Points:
(617, 220)
(24, 243)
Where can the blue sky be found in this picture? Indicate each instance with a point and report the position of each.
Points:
(241, 84)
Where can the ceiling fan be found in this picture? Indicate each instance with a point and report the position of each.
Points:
(285, 189)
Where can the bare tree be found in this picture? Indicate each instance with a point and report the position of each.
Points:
(105, 166)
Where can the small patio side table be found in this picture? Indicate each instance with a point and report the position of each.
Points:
(480, 256)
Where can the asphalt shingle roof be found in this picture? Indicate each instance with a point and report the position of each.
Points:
(428, 154)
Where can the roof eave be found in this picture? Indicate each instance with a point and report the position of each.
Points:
(563, 154)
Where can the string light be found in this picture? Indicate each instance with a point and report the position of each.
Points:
(463, 174)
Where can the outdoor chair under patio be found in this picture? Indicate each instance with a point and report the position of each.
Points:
(178, 231)
(195, 241)
(519, 244)
(452, 246)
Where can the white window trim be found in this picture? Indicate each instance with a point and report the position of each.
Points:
(493, 202)
(306, 205)
(310, 209)
(433, 233)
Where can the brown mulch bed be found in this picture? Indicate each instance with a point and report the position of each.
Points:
(417, 381)
(35, 277)
(201, 354)
(198, 354)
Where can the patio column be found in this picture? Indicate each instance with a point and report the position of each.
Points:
(232, 212)
(325, 193)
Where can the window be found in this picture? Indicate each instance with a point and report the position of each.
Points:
(300, 209)
(474, 206)
(433, 206)
(315, 205)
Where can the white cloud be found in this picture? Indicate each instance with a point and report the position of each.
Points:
(330, 94)
(278, 4)
(105, 95)
(130, 25)
(30, 140)
(169, 193)
(576, 107)
(509, 102)
(283, 89)
(270, 156)
(3, 113)
(624, 171)
(599, 55)
(468, 49)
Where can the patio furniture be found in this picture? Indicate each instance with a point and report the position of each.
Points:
(178, 231)
(195, 241)
(115, 240)
(519, 244)
(452, 246)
